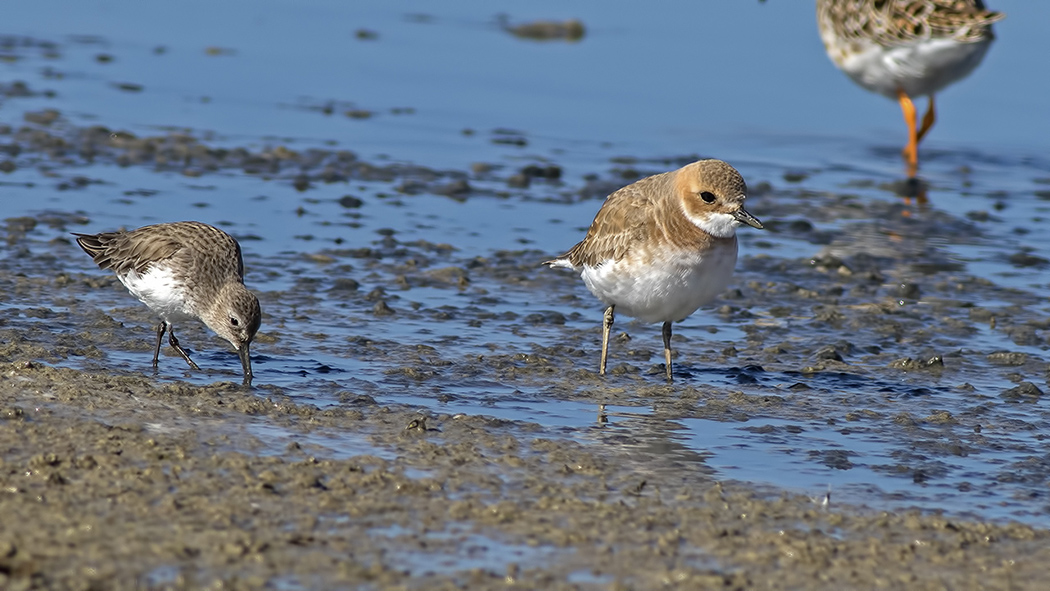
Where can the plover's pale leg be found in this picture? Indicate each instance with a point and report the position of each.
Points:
(607, 323)
(667, 349)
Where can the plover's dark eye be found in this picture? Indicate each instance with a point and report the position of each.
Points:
(234, 321)
(708, 197)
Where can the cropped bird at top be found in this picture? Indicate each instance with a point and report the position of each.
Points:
(183, 270)
(904, 49)
(662, 247)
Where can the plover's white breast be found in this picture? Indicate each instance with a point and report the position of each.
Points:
(159, 289)
(667, 285)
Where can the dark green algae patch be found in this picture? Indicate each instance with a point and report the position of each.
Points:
(118, 482)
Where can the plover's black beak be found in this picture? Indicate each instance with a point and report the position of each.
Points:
(746, 218)
(246, 363)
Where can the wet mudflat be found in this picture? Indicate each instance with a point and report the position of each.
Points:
(427, 412)
(125, 483)
(426, 416)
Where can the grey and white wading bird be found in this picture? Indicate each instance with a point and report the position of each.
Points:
(183, 270)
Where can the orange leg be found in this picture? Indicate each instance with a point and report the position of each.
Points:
(911, 151)
(927, 120)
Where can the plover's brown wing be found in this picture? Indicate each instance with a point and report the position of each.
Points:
(625, 219)
(126, 251)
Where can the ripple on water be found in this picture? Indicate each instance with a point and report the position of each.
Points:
(868, 466)
(459, 549)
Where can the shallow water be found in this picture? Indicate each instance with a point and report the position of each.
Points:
(478, 326)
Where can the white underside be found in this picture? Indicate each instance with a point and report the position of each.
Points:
(669, 289)
(921, 68)
(158, 289)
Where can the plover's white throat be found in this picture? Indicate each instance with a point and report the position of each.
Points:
(906, 48)
(183, 270)
(662, 247)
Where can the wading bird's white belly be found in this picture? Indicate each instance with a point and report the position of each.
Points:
(158, 289)
(920, 68)
(668, 288)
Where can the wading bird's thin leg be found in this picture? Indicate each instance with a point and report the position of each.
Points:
(175, 343)
(911, 151)
(667, 349)
(163, 326)
(927, 120)
(607, 323)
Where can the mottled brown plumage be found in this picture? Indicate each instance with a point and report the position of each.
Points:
(183, 270)
(892, 22)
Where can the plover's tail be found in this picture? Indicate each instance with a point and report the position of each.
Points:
(561, 262)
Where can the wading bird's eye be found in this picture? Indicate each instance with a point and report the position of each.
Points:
(708, 197)
(234, 321)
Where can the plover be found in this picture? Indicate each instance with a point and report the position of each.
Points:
(662, 247)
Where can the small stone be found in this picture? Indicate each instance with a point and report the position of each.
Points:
(1008, 358)
(909, 364)
(1025, 391)
(344, 284)
(350, 202)
(908, 291)
(456, 188)
(1026, 259)
(45, 117)
(519, 181)
(829, 353)
(128, 86)
(301, 183)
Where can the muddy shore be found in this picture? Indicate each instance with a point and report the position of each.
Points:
(120, 483)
